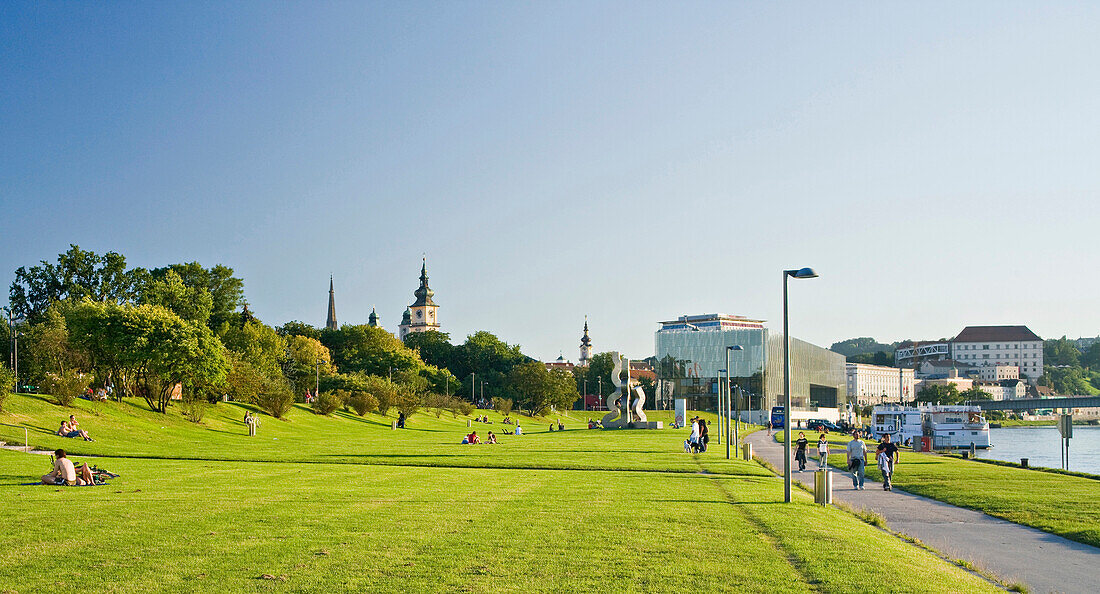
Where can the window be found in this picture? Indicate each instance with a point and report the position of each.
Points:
(985, 347)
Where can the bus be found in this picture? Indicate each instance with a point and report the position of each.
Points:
(778, 417)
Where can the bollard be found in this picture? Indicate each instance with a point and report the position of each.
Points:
(965, 454)
(1023, 463)
(469, 423)
(746, 451)
(823, 487)
(395, 425)
(973, 450)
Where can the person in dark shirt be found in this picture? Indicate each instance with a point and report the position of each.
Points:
(886, 456)
(800, 453)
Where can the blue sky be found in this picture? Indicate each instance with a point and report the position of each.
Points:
(936, 163)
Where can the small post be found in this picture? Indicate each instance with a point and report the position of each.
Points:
(1023, 463)
(469, 423)
(394, 427)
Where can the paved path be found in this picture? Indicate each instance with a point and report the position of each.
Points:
(1015, 553)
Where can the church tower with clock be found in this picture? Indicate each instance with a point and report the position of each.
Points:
(421, 315)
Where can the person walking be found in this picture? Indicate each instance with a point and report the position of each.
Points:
(822, 452)
(704, 436)
(800, 453)
(857, 456)
(887, 456)
(693, 439)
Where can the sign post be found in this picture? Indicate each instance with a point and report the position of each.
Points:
(1065, 428)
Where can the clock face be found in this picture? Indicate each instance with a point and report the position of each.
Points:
(419, 314)
(431, 314)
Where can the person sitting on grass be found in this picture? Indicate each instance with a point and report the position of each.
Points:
(519, 430)
(67, 430)
(64, 473)
(560, 426)
(492, 438)
(474, 439)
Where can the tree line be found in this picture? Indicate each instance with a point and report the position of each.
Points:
(185, 331)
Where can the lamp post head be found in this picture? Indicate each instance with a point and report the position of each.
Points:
(735, 347)
(801, 273)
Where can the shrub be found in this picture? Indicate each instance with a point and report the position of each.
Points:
(344, 398)
(325, 403)
(385, 401)
(363, 403)
(67, 386)
(465, 407)
(275, 400)
(193, 407)
(408, 405)
(7, 384)
(502, 405)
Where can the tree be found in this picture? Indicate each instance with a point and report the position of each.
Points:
(78, 274)
(1091, 357)
(537, 389)
(1060, 351)
(296, 328)
(1068, 380)
(880, 358)
(45, 347)
(191, 303)
(940, 394)
(258, 344)
(974, 393)
(859, 346)
(148, 348)
(489, 358)
(226, 291)
(434, 347)
(306, 358)
(369, 350)
(7, 384)
(276, 399)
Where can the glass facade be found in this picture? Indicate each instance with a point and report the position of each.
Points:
(688, 364)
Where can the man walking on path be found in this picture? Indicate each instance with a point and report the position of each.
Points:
(887, 456)
(800, 453)
(857, 456)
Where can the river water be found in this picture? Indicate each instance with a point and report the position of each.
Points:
(1042, 446)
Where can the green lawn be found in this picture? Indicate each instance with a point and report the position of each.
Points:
(365, 508)
(1065, 505)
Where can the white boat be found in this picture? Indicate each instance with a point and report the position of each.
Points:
(936, 426)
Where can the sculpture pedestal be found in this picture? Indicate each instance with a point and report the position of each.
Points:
(646, 425)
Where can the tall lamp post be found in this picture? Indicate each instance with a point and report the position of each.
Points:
(729, 395)
(787, 412)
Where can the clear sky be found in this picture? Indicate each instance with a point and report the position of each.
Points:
(937, 164)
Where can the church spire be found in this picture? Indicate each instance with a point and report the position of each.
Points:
(423, 294)
(331, 322)
(373, 319)
(586, 345)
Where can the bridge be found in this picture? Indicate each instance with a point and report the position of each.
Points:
(1036, 403)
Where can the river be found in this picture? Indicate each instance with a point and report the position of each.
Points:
(1042, 446)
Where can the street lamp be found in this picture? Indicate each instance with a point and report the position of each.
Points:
(317, 385)
(787, 412)
(721, 407)
(729, 395)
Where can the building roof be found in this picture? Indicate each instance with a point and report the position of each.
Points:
(992, 333)
(423, 294)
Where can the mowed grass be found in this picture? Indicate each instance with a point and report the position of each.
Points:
(183, 525)
(1065, 505)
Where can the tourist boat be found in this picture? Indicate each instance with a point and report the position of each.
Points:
(931, 426)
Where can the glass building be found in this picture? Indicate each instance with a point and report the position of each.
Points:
(691, 351)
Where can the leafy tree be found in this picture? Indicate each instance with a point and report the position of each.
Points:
(258, 344)
(1068, 380)
(537, 389)
(365, 349)
(974, 393)
(191, 303)
(859, 346)
(502, 405)
(193, 406)
(149, 348)
(7, 384)
(434, 347)
(296, 328)
(1061, 351)
(306, 358)
(77, 274)
(597, 374)
(1091, 357)
(45, 348)
(489, 358)
(226, 291)
(883, 358)
(244, 382)
(940, 394)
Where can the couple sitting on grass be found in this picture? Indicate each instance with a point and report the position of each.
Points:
(71, 428)
(65, 473)
(472, 438)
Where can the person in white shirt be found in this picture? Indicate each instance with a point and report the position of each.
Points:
(857, 459)
(822, 451)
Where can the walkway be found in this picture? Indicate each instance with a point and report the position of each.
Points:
(1014, 553)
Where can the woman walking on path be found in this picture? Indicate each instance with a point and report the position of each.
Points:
(822, 452)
